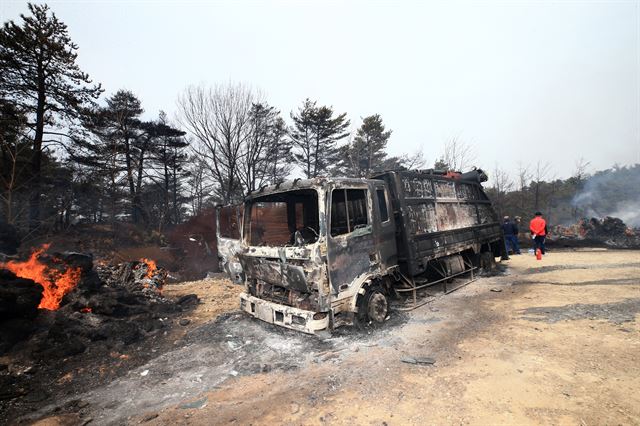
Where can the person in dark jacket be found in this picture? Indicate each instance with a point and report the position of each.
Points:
(517, 220)
(510, 230)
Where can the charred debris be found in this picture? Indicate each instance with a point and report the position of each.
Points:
(609, 232)
(113, 304)
(107, 309)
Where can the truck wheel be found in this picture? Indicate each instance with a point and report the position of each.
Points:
(486, 262)
(373, 306)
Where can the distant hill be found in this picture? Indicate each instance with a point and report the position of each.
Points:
(613, 192)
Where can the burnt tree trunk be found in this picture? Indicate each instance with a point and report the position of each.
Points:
(36, 158)
(176, 214)
(137, 201)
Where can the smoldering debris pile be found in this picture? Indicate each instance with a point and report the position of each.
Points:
(109, 306)
(138, 276)
(608, 232)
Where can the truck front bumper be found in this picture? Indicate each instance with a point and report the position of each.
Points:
(285, 316)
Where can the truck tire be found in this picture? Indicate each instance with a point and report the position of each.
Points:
(373, 306)
(487, 262)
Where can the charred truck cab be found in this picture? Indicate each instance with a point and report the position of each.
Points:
(316, 254)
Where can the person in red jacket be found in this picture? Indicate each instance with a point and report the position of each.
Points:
(538, 228)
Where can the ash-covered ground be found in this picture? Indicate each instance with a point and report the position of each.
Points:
(558, 346)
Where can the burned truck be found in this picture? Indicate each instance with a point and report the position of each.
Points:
(319, 253)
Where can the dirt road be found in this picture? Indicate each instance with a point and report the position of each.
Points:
(554, 341)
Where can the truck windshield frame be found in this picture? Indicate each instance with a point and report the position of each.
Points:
(349, 210)
(284, 219)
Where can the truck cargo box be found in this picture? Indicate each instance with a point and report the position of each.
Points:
(438, 214)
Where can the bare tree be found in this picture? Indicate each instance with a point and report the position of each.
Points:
(579, 176)
(580, 172)
(266, 154)
(200, 185)
(14, 153)
(412, 161)
(524, 177)
(457, 155)
(501, 185)
(540, 174)
(11, 153)
(219, 119)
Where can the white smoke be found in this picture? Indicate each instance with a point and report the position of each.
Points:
(614, 193)
(629, 212)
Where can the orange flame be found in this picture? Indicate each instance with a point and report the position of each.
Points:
(151, 266)
(55, 283)
(86, 310)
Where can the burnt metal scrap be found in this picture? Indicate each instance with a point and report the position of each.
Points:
(315, 254)
(228, 231)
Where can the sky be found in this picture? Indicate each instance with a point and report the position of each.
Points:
(520, 82)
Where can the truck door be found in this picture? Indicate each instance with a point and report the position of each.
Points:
(385, 227)
(350, 241)
(229, 239)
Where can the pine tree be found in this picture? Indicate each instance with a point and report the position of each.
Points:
(38, 72)
(127, 130)
(441, 164)
(302, 136)
(314, 135)
(278, 157)
(169, 157)
(366, 153)
(117, 143)
(99, 155)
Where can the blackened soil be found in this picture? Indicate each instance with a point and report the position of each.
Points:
(49, 367)
(232, 345)
(609, 281)
(550, 268)
(617, 313)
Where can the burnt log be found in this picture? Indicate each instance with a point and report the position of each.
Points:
(19, 300)
(188, 300)
(19, 297)
(77, 260)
